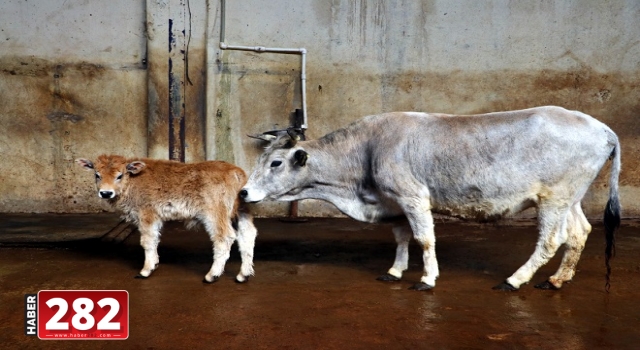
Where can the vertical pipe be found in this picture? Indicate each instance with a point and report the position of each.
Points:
(223, 9)
(303, 84)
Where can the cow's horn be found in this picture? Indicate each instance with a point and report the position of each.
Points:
(295, 137)
(263, 137)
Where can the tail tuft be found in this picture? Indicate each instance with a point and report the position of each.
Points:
(612, 212)
(611, 224)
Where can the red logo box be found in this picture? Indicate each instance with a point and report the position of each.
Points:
(83, 314)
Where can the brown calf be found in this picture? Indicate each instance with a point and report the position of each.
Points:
(151, 191)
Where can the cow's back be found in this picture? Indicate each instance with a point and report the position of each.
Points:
(481, 165)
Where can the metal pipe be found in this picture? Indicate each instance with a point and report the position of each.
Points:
(222, 17)
(261, 49)
(299, 51)
(303, 83)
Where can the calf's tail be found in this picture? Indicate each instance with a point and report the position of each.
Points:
(612, 211)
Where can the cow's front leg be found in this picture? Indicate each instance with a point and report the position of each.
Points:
(402, 234)
(222, 235)
(418, 211)
(149, 239)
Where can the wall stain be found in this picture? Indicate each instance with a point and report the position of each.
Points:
(54, 112)
(223, 133)
(194, 102)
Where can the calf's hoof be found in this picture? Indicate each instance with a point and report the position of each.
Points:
(140, 276)
(505, 286)
(546, 285)
(213, 279)
(421, 286)
(242, 279)
(387, 277)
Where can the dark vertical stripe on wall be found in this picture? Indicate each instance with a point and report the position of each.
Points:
(176, 106)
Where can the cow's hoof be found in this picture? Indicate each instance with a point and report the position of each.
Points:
(506, 287)
(421, 286)
(241, 279)
(546, 285)
(387, 277)
(214, 279)
(140, 276)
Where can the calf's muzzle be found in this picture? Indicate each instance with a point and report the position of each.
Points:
(106, 194)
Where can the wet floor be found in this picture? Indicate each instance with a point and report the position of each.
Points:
(315, 288)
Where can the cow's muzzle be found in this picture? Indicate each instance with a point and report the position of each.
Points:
(249, 198)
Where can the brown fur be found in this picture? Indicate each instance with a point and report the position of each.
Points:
(152, 191)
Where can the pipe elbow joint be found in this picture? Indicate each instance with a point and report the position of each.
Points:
(303, 51)
(223, 46)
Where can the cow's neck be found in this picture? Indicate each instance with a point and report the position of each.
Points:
(336, 174)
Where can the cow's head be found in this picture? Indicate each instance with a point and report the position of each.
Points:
(281, 170)
(112, 173)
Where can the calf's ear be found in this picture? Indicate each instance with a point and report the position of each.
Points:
(135, 167)
(85, 163)
(300, 157)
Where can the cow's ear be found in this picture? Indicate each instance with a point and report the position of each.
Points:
(300, 157)
(135, 167)
(85, 163)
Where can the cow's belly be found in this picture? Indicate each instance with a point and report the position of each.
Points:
(484, 211)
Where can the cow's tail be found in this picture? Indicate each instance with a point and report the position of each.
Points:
(612, 210)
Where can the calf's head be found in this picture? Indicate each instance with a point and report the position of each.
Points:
(280, 173)
(112, 173)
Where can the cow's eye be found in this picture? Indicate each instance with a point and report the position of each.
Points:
(119, 177)
(98, 176)
(276, 163)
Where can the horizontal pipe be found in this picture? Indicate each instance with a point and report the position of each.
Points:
(300, 51)
(262, 49)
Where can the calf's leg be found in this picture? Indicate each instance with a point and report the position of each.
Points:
(149, 238)
(222, 235)
(247, 233)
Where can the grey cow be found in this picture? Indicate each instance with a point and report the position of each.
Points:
(409, 164)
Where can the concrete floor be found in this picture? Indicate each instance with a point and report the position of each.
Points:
(315, 288)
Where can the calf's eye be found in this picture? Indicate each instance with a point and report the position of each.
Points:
(119, 177)
(275, 163)
(97, 176)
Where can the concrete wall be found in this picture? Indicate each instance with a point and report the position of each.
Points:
(73, 81)
(367, 57)
(72, 84)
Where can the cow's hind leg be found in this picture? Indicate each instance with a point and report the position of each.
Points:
(246, 241)
(553, 226)
(578, 229)
(222, 235)
(149, 239)
(402, 234)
